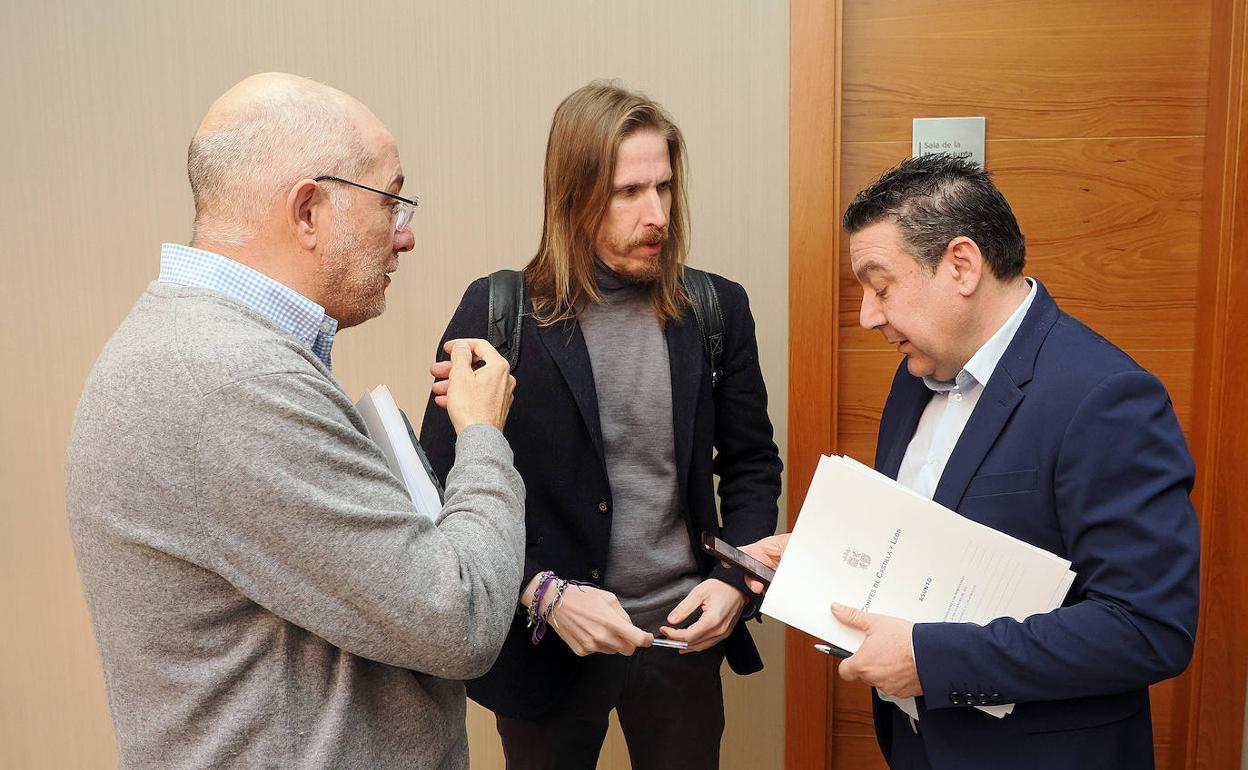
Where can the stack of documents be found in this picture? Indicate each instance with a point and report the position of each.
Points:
(389, 430)
(865, 541)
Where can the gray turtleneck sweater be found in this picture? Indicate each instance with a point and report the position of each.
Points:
(651, 564)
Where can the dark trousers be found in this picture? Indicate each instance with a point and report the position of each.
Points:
(671, 710)
(908, 751)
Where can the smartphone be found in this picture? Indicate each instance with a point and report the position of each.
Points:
(737, 558)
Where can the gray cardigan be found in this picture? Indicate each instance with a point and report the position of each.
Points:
(262, 590)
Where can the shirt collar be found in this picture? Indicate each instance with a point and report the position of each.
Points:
(286, 308)
(979, 369)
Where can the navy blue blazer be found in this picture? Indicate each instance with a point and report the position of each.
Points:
(555, 434)
(1075, 449)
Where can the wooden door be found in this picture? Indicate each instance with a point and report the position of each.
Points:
(1097, 116)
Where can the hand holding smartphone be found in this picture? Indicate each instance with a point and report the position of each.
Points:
(737, 558)
(756, 569)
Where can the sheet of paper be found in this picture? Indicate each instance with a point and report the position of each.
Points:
(865, 541)
(387, 429)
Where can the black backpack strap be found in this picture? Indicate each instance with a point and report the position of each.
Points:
(506, 307)
(705, 302)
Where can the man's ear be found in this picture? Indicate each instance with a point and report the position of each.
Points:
(965, 262)
(303, 204)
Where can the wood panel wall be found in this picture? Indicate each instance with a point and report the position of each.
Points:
(1096, 126)
(814, 141)
(1213, 693)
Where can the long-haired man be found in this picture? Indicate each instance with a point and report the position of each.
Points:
(618, 432)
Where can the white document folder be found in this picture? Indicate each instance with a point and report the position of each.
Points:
(388, 429)
(865, 541)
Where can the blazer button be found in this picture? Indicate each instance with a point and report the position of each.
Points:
(602, 505)
(595, 574)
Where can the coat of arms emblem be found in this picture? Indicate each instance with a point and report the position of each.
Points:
(856, 558)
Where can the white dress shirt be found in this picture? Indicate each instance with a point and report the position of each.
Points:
(943, 420)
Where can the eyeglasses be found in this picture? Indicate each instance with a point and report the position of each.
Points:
(402, 216)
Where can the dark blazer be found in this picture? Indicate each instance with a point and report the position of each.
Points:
(1075, 449)
(555, 434)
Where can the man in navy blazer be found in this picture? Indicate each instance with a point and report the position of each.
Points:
(1016, 415)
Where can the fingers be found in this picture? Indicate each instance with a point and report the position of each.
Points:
(687, 605)
(757, 586)
(627, 637)
(721, 605)
(441, 371)
(622, 613)
(763, 553)
(769, 550)
(611, 638)
(676, 634)
(852, 616)
(592, 620)
(709, 624)
(778, 543)
(461, 358)
(472, 396)
(634, 637)
(705, 627)
(480, 349)
(849, 669)
(703, 634)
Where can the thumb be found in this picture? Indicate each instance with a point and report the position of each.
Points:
(461, 358)
(852, 616)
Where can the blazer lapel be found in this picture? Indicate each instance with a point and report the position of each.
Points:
(687, 363)
(1000, 398)
(566, 346)
(996, 404)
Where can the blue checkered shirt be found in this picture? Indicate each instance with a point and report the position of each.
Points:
(290, 310)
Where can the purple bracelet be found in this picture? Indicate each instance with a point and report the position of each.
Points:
(537, 618)
(536, 621)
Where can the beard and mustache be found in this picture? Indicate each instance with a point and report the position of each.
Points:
(354, 276)
(650, 268)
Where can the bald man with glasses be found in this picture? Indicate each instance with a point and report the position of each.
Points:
(263, 591)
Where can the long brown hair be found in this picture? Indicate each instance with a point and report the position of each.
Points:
(585, 137)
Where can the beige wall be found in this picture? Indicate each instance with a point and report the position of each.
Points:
(99, 102)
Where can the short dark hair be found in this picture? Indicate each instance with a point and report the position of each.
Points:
(936, 198)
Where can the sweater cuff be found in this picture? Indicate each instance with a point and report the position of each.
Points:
(482, 440)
